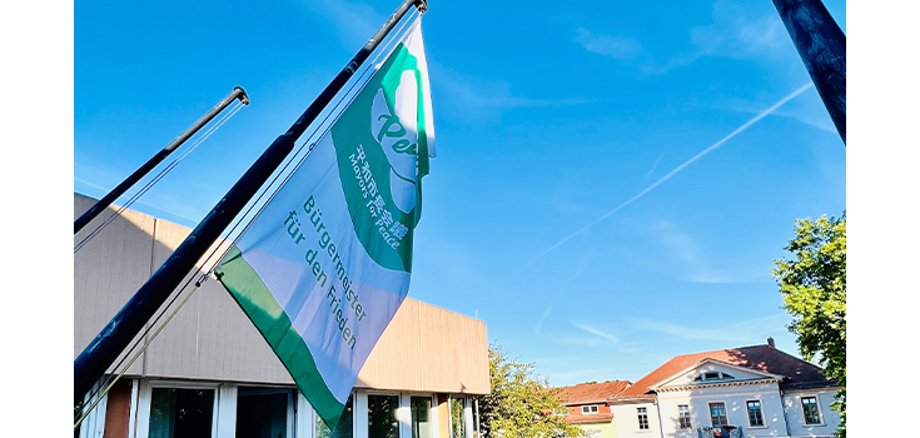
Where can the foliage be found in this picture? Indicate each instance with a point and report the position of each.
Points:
(813, 285)
(521, 404)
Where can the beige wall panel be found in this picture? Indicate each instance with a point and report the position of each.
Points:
(210, 338)
(425, 348)
(108, 269)
(391, 364)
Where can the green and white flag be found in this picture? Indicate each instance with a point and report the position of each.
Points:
(324, 267)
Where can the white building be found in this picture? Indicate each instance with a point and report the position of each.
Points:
(755, 391)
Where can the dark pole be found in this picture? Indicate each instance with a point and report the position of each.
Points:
(823, 48)
(124, 326)
(99, 206)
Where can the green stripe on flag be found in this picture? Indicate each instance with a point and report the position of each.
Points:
(260, 305)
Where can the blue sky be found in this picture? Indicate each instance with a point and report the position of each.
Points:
(547, 119)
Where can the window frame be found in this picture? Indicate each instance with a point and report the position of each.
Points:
(680, 418)
(763, 417)
(648, 425)
(720, 376)
(224, 398)
(291, 392)
(724, 408)
(597, 410)
(433, 418)
(817, 398)
(403, 424)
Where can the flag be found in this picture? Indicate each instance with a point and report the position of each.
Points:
(323, 268)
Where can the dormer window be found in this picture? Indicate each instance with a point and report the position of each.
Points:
(711, 376)
(589, 409)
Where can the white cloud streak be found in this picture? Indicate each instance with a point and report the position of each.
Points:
(675, 171)
(539, 326)
(596, 332)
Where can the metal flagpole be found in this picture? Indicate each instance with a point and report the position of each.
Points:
(100, 206)
(92, 363)
(823, 48)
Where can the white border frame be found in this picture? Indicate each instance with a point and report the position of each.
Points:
(648, 420)
(689, 406)
(728, 421)
(433, 420)
(270, 390)
(145, 394)
(817, 398)
(763, 414)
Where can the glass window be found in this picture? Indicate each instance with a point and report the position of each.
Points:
(177, 413)
(713, 375)
(683, 416)
(755, 413)
(262, 412)
(718, 414)
(421, 419)
(590, 409)
(381, 416)
(343, 429)
(810, 410)
(642, 413)
(457, 425)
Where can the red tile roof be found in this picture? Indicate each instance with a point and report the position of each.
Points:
(583, 393)
(603, 417)
(758, 357)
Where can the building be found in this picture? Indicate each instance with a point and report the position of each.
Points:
(756, 391)
(587, 406)
(210, 373)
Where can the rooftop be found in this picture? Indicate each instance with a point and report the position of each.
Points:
(763, 358)
(593, 392)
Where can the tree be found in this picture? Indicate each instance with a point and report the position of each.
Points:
(521, 404)
(813, 283)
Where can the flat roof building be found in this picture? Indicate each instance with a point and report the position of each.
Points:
(210, 372)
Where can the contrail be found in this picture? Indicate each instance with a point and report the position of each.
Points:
(676, 170)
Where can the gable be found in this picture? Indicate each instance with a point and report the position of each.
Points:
(710, 371)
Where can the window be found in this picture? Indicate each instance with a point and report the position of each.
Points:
(343, 429)
(642, 413)
(683, 416)
(381, 416)
(421, 421)
(590, 409)
(176, 412)
(262, 412)
(718, 414)
(755, 413)
(713, 376)
(457, 425)
(810, 410)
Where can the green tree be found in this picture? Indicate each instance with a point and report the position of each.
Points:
(813, 282)
(521, 404)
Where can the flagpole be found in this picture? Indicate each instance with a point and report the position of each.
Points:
(100, 206)
(823, 49)
(92, 363)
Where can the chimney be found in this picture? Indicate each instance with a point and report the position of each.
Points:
(770, 342)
